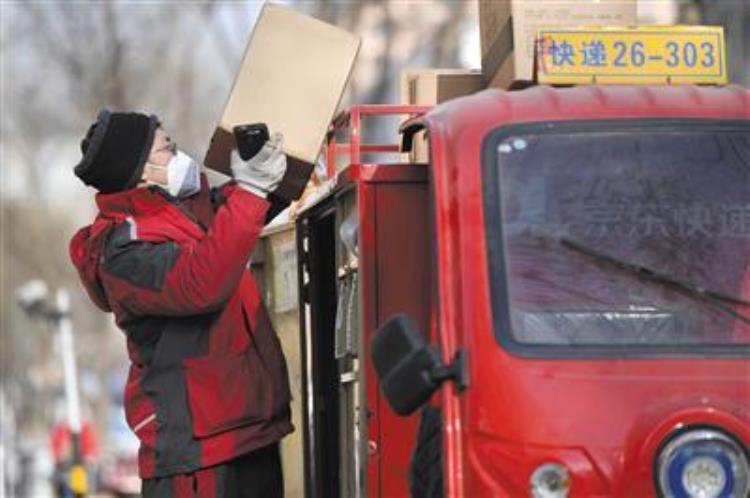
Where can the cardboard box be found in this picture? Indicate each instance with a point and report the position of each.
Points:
(507, 29)
(432, 87)
(292, 77)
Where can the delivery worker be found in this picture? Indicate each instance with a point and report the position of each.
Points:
(208, 390)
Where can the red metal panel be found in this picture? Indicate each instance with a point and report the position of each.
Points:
(369, 290)
(379, 173)
(395, 277)
(448, 312)
(403, 276)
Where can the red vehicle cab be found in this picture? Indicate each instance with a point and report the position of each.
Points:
(576, 316)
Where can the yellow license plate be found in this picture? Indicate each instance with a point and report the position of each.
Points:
(646, 54)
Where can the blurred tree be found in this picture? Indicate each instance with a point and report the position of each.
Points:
(37, 248)
(63, 61)
(396, 35)
(72, 59)
(68, 60)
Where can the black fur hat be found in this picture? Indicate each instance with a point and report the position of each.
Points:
(115, 150)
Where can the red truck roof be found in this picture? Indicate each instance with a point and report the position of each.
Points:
(542, 103)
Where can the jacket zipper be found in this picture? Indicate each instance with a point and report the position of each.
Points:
(143, 423)
(182, 209)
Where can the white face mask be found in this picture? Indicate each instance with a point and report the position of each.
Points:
(183, 176)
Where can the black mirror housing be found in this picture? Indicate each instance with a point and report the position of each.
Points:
(405, 364)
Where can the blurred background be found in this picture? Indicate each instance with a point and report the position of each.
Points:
(60, 62)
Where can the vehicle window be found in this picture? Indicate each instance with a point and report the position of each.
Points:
(630, 237)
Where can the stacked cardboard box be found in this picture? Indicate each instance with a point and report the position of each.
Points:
(507, 30)
(434, 86)
(508, 27)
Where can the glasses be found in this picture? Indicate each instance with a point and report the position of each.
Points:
(171, 147)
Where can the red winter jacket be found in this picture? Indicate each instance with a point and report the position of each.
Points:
(208, 380)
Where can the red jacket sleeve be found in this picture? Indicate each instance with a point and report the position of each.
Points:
(168, 279)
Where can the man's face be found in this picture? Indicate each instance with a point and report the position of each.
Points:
(161, 153)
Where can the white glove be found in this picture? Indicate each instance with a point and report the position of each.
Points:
(262, 173)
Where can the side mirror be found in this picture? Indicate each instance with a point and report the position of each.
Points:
(408, 369)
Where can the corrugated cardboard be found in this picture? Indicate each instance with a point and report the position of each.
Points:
(507, 29)
(432, 87)
(292, 78)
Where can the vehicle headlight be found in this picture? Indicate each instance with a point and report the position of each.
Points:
(550, 480)
(703, 463)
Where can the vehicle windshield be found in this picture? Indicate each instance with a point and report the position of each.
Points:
(621, 236)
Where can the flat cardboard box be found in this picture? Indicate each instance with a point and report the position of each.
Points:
(292, 77)
(432, 87)
(507, 29)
